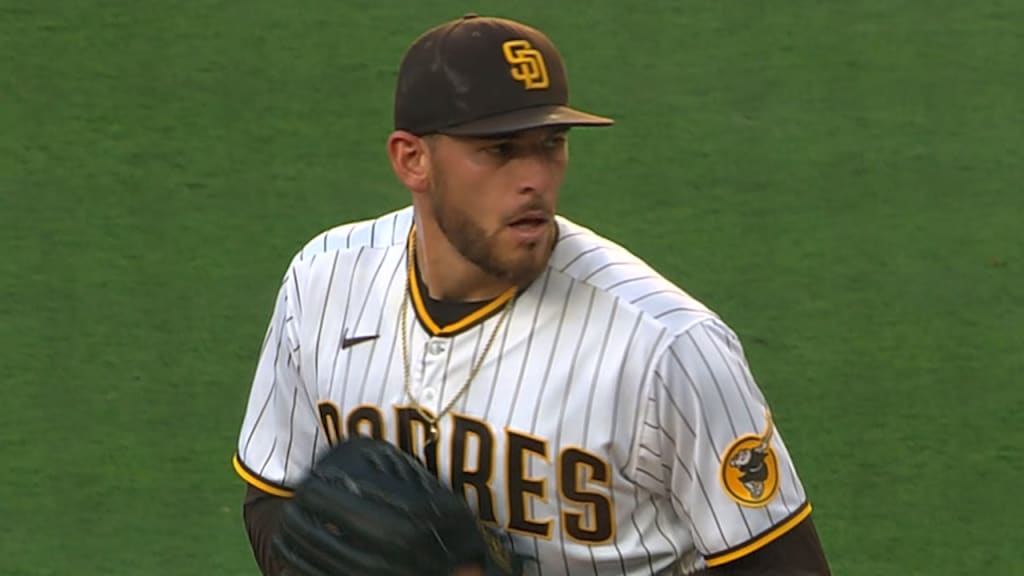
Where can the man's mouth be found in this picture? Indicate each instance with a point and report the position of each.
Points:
(532, 219)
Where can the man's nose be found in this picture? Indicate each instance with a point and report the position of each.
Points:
(536, 172)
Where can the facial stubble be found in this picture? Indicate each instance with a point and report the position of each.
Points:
(477, 246)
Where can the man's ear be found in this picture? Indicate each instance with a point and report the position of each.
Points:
(410, 159)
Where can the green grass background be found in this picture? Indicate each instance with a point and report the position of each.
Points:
(840, 180)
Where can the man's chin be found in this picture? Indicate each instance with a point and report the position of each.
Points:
(525, 271)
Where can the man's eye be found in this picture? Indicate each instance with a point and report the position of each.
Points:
(502, 149)
(555, 142)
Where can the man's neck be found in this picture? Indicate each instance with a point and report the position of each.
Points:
(447, 274)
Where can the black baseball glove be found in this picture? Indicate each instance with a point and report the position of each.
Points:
(369, 509)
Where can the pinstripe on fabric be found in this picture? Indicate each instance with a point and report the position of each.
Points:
(604, 367)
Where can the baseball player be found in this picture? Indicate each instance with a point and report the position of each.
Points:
(578, 400)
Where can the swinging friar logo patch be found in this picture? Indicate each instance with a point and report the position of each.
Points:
(750, 470)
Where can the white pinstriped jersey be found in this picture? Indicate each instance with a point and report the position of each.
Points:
(613, 429)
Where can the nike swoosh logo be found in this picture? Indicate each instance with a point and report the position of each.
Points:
(347, 342)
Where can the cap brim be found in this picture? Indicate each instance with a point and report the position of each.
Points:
(525, 119)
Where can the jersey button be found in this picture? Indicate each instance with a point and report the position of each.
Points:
(429, 394)
(436, 347)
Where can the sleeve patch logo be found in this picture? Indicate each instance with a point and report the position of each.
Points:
(750, 470)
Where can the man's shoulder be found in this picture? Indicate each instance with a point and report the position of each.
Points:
(385, 231)
(590, 258)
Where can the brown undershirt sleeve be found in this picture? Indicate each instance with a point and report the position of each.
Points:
(261, 512)
(795, 553)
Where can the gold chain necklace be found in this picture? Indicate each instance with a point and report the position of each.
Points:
(432, 421)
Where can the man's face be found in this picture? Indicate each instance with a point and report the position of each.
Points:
(495, 198)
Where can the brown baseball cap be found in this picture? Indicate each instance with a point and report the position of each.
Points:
(483, 76)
